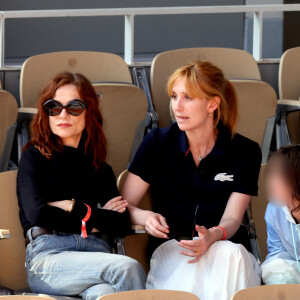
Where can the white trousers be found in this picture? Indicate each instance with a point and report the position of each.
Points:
(280, 271)
(223, 270)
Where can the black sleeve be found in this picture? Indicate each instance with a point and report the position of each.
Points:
(34, 199)
(143, 164)
(250, 166)
(108, 221)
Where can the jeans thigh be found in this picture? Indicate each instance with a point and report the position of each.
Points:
(72, 272)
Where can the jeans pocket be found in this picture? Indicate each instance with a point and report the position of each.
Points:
(35, 247)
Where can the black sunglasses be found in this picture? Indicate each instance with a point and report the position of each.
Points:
(179, 236)
(54, 108)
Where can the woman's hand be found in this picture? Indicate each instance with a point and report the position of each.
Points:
(198, 247)
(157, 226)
(63, 204)
(116, 204)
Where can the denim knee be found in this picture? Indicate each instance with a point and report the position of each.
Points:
(129, 275)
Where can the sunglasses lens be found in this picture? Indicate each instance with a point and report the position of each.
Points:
(56, 110)
(75, 108)
(53, 108)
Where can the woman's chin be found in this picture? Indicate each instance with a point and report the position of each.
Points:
(64, 135)
(184, 127)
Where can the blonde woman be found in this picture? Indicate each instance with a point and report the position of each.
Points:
(202, 175)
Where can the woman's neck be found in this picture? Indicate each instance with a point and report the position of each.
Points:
(72, 141)
(201, 142)
(201, 139)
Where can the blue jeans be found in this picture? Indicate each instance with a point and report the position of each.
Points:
(69, 265)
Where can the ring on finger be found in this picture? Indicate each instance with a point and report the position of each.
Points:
(197, 252)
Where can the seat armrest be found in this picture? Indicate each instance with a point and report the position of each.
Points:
(26, 114)
(286, 105)
(5, 234)
(27, 110)
(138, 229)
(119, 247)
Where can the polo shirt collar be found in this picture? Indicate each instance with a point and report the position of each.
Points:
(223, 139)
(182, 141)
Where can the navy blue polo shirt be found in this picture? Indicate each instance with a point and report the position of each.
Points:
(178, 185)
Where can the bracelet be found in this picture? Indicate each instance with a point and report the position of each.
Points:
(224, 232)
(84, 220)
(71, 206)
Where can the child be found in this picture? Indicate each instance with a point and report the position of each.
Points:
(282, 216)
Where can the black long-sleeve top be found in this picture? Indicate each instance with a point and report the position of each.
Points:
(68, 175)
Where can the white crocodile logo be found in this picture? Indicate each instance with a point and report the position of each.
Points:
(223, 177)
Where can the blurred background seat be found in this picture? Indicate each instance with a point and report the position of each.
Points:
(12, 251)
(270, 292)
(8, 119)
(288, 112)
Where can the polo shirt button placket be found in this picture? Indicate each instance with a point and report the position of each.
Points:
(201, 173)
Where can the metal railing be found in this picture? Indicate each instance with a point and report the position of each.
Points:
(130, 13)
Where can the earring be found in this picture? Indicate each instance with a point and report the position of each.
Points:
(209, 115)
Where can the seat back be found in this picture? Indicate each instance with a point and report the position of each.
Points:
(289, 74)
(123, 107)
(258, 208)
(270, 292)
(8, 116)
(289, 88)
(96, 66)
(293, 123)
(12, 250)
(257, 103)
(236, 64)
(150, 295)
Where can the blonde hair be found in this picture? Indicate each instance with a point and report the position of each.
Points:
(205, 80)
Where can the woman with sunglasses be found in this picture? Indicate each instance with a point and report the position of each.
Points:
(202, 175)
(62, 180)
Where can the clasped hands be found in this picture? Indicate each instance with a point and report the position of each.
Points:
(157, 226)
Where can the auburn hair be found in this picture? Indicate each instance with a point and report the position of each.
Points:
(288, 160)
(205, 80)
(50, 144)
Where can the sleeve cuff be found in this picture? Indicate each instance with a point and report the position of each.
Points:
(79, 210)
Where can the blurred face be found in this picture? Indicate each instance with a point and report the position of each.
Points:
(191, 113)
(69, 128)
(278, 187)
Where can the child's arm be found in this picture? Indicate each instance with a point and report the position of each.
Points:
(274, 242)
